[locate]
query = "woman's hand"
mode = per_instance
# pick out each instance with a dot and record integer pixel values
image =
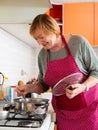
(74, 89)
(36, 87)
(22, 90)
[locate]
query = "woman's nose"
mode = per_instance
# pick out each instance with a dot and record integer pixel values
(40, 42)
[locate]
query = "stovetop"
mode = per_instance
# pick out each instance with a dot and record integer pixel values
(36, 122)
(15, 116)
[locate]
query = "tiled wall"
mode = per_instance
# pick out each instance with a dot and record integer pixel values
(18, 61)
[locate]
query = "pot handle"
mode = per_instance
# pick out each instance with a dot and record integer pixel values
(71, 88)
(45, 105)
(9, 107)
(42, 105)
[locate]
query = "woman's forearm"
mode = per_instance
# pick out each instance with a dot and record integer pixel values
(36, 87)
(90, 82)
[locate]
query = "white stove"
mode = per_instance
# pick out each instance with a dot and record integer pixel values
(46, 124)
(12, 124)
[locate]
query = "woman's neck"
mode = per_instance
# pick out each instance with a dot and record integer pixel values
(58, 45)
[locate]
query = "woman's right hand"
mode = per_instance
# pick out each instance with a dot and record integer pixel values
(36, 87)
(22, 90)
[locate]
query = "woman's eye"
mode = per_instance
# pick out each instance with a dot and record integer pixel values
(41, 37)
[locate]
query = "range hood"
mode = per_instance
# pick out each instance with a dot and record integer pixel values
(21, 11)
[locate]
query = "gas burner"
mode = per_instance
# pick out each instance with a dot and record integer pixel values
(29, 123)
(32, 121)
(25, 123)
(15, 116)
(38, 117)
(21, 122)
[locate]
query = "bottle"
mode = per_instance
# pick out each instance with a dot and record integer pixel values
(1, 86)
(13, 93)
(6, 87)
(1, 93)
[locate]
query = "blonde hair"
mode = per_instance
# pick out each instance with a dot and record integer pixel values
(46, 23)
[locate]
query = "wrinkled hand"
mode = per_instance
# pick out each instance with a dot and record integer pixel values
(22, 90)
(77, 89)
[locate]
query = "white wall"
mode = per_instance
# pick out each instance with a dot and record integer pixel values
(18, 61)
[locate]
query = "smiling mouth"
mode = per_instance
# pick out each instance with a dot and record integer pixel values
(45, 44)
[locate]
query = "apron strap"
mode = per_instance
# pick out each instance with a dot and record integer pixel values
(66, 45)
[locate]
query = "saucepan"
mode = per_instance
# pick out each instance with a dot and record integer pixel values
(5, 111)
(3, 114)
(31, 106)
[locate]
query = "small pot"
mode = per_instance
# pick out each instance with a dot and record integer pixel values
(9, 106)
(34, 95)
(31, 106)
(3, 114)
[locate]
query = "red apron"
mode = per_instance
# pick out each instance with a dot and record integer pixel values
(79, 113)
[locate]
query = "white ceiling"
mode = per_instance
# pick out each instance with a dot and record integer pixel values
(16, 15)
(21, 11)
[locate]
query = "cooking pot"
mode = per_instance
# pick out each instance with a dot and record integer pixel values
(5, 112)
(31, 106)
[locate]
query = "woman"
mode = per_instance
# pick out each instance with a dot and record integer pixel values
(61, 56)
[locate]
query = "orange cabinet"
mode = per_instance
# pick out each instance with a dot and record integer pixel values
(96, 23)
(78, 18)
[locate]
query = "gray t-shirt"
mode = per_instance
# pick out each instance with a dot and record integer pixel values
(82, 52)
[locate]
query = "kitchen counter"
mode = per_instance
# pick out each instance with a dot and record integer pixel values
(51, 126)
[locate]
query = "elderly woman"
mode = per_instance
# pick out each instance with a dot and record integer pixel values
(60, 56)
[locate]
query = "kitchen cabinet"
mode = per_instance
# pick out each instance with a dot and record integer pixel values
(56, 13)
(78, 18)
(96, 22)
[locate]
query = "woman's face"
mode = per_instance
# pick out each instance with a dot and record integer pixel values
(47, 41)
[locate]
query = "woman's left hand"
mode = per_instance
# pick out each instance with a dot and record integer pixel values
(74, 90)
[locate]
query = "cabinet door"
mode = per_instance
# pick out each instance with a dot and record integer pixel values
(96, 23)
(78, 19)
(56, 13)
